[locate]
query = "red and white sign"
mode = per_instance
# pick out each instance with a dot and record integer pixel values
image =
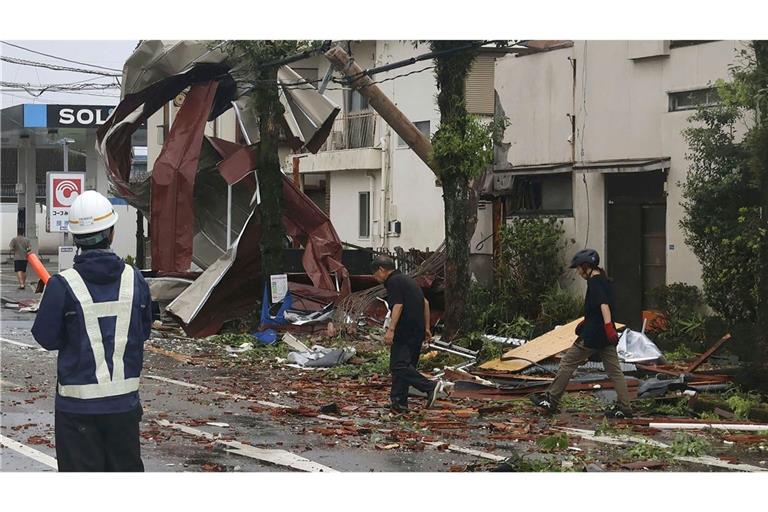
(62, 190)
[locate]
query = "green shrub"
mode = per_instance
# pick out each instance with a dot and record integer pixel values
(531, 262)
(677, 299)
(559, 307)
(519, 328)
(683, 307)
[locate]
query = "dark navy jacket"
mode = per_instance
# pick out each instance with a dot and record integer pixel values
(60, 325)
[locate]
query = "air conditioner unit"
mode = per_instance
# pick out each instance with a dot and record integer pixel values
(395, 228)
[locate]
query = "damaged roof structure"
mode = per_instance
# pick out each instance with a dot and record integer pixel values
(185, 196)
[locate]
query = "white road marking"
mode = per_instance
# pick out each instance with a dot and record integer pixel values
(625, 440)
(177, 382)
(197, 386)
(20, 344)
(278, 457)
(29, 452)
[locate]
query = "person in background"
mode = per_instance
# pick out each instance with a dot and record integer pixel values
(98, 315)
(20, 247)
(597, 336)
(408, 328)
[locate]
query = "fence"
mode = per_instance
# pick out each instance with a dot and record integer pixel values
(352, 131)
(8, 192)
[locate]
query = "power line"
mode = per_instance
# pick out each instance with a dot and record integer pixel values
(39, 90)
(55, 67)
(254, 84)
(75, 86)
(60, 58)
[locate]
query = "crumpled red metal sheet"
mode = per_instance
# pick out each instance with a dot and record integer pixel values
(239, 288)
(114, 136)
(173, 182)
(302, 220)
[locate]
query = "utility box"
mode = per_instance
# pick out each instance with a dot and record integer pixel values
(66, 257)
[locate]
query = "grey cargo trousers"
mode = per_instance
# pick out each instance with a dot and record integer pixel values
(577, 355)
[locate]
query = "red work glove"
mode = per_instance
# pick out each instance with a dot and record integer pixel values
(611, 334)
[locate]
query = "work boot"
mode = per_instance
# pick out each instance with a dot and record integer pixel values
(618, 413)
(432, 397)
(544, 401)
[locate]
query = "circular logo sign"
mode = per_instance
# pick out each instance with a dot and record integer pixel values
(65, 192)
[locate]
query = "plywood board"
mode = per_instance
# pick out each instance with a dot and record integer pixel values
(538, 349)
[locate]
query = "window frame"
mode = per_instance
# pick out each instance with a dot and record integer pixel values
(709, 92)
(401, 144)
(550, 212)
(367, 234)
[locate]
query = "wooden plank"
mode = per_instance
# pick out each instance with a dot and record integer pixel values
(467, 451)
(706, 355)
(538, 349)
(273, 456)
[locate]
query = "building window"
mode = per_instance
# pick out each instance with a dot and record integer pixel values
(679, 43)
(356, 102)
(365, 214)
(479, 93)
(423, 127)
(542, 194)
(689, 100)
(316, 188)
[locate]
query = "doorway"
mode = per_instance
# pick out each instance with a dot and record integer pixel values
(635, 240)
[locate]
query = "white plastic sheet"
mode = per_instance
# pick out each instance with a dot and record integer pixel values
(635, 347)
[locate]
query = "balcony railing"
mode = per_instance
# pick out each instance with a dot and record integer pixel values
(352, 131)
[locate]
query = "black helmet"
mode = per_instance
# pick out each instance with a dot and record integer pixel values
(585, 256)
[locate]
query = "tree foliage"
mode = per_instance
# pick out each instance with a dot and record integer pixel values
(254, 66)
(720, 196)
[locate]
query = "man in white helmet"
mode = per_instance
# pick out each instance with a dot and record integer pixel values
(97, 315)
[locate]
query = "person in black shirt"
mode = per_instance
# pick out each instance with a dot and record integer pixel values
(596, 336)
(408, 328)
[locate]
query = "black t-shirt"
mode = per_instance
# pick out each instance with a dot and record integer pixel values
(599, 291)
(402, 289)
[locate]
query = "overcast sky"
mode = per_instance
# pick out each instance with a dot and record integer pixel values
(110, 54)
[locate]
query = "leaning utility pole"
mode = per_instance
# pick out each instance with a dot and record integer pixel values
(381, 104)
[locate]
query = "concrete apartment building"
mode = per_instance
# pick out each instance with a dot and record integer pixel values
(596, 140)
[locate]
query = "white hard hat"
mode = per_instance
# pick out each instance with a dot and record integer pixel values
(91, 212)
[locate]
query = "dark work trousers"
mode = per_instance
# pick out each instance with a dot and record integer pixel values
(99, 442)
(403, 359)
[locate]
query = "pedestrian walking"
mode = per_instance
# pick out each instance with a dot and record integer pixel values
(597, 336)
(408, 328)
(20, 247)
(97, 315)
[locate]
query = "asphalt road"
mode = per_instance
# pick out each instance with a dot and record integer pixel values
(28, 375)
